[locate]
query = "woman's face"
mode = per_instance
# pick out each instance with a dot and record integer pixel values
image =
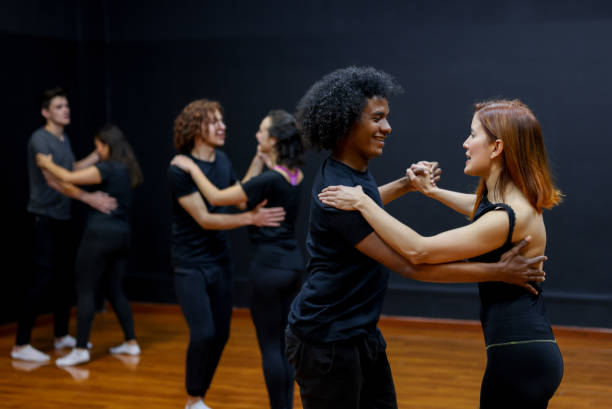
(479, 148)
(102, 149)
(265, 141)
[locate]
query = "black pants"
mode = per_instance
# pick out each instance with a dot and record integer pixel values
(351, 374)
(205, 297)
(102, 257)
(522, 376)
(51, 279)
(272, 290)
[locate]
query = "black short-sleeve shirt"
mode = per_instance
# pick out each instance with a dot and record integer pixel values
(116, 182)
(191, 244)
(272, 186)
(343, 293)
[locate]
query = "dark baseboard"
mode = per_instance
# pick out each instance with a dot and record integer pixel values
(431, 301)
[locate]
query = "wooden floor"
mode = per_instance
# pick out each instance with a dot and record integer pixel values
(436, 364)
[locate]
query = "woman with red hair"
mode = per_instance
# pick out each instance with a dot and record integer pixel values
(506, 150)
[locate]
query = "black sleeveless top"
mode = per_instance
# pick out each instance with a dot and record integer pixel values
(509, 313)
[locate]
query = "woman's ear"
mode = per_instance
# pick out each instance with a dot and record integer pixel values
(498, 148)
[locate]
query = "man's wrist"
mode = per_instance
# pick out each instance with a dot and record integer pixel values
(83, 196)
(498, 271)
(250, 217)
(406, 184)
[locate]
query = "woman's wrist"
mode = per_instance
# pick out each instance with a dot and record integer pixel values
(431, 192)
(363, 201)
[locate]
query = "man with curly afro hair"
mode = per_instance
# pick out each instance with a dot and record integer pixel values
(332, 340)
(200, 249)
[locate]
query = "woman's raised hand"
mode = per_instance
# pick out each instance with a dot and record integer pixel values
(424, 175)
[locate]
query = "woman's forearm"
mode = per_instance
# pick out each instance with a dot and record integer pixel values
(398, 236)
(459, 202)
(255, 168)
(232, 195)
(59, 172)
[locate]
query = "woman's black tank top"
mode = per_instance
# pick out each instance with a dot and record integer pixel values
(509, 313)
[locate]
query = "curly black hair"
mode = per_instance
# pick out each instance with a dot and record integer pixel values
(328, 110)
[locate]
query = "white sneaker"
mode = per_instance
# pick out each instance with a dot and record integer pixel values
(198, 405)
(67, 341)
(75, 357)
(29, 353)
(125, 348)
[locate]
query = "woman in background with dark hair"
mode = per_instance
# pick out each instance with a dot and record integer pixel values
(106, 238)
(277, 265)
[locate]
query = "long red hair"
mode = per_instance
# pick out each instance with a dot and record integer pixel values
(524, 155)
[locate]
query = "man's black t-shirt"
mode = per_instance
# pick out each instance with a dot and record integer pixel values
(192, 245)
(343, 293)
(116, 182)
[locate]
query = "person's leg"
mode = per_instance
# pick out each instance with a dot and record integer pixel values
(63, 276)
(378, 390)
(192, 296)
(521, 375)
(272, 291)
(329, 375)
(219, 286)
(35, 291)
(90, 265)
(117, 297)
(38, 284)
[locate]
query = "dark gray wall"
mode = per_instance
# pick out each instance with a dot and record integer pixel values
(138, 66)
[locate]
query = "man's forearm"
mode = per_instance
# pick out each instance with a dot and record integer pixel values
(212, 221)
(395, 189)
(457, 272)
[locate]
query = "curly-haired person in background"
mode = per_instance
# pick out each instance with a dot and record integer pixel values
(338, 353)
(277, 265)
(200, 249)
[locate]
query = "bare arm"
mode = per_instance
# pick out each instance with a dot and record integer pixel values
(260, 216)
(486, 234)
(392, 190)
(98, 200)
(512, 268)
(87, 161)
(401, 186)
(87, 176)
(232, 195)
(260, 160)
(459, 202)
